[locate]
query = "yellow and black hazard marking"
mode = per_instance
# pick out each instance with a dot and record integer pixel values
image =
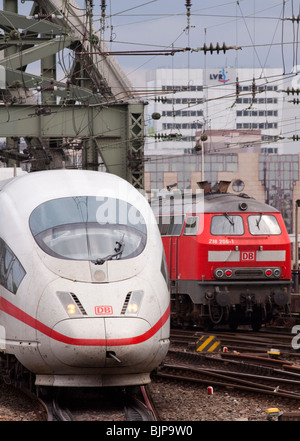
(208, 343)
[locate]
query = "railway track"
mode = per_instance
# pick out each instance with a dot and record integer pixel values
(246, 367)
(81, 404)
(248, 364)
(271, 385)
(99, 405)
(244, 342)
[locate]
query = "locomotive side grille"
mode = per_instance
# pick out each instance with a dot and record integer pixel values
(249, 272)
(126, 303)
(78, 303)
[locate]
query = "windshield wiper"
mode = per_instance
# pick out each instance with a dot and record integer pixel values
(118, 251)
(258, 220)
(229, 219)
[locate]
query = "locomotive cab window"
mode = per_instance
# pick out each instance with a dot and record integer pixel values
(263, 224)
(227, 224)
(89, 228)
(191, 226)
(170, 225)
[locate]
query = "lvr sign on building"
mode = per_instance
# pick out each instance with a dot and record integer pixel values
(220, 76)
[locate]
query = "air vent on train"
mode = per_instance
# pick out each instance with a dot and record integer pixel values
(78, 303)
(127, 298)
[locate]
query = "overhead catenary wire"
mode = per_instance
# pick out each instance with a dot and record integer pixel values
(273, 45)
(231, 2)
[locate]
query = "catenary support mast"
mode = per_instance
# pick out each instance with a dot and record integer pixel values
(94, 104)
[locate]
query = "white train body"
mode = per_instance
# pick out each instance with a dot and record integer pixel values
(83, 295)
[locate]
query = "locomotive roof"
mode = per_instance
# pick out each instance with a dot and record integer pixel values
(211, 203)
(216, 202)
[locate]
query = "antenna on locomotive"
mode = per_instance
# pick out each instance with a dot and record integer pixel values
(223, 186)
(219, 187)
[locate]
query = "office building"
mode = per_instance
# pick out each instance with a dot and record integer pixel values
(199, 100)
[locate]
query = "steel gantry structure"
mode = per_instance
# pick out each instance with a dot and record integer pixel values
(93, 107)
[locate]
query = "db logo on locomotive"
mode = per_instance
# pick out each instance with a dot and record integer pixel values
(103, 310)
(248, 255)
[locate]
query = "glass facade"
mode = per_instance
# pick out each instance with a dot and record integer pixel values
(186, 164)
(279, 174)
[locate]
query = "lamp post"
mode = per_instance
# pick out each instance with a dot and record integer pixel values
(203, 138)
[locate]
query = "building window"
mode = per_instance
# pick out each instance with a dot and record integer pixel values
(185, 165)
(238, 185)
(278, 175)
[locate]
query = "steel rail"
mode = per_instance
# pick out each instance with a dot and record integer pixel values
(139, 406)
(261, 343)
(237, 383)
(149, 402)
(231, 375)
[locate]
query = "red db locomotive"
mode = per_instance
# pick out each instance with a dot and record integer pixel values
(228, 257)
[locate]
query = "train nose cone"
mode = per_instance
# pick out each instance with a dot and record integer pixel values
(90, 342)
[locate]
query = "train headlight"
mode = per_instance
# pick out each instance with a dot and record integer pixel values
(72, 309)
(134, 303)
(132, 308)
(277, 272)
(99, 276)
(219, 273)
(222, 273)
(70, 305)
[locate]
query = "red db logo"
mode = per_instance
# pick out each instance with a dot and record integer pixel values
(103, 310)
(248, 255)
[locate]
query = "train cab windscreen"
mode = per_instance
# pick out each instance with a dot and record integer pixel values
(263, 224)
(89, 228)
(226, 224)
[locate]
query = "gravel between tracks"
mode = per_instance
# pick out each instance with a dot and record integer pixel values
(17, 406)
(189, 402)
(175, 402)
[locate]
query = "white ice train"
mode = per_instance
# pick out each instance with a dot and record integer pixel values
(84, 299)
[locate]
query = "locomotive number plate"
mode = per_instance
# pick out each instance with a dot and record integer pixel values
(103, 310)
(248, 255)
